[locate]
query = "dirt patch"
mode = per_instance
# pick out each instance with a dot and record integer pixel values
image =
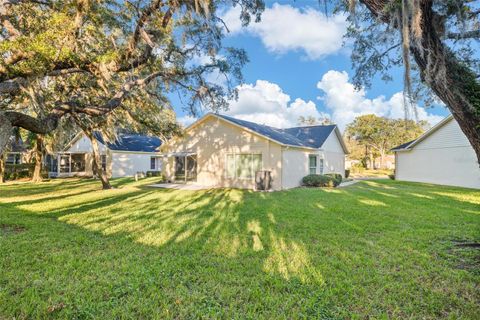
(6, 229)
(468, 245)
(467, 254)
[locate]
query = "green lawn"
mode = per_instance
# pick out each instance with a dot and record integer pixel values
(379, 249)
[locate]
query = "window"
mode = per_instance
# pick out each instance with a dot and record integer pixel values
(321, 166)
(230, 166)
(13, 158)
(65, 164)
(153, 163)
(312, 164)
(104, 162)
(243, 166)
(78, 162)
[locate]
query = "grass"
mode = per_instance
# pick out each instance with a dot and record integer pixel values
(376, 249)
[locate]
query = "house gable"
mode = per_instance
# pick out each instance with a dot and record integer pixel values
(82, 144)
(334, 144)
(448, 135)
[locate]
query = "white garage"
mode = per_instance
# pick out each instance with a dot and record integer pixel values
(442, 155)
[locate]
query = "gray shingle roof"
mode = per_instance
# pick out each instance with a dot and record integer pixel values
(311, 137)
(132, 142)
(314, 136)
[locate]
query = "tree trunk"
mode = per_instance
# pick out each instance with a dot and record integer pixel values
(382, 159)
(455, 84)
(2, 168)
(370, 156)
(97, 162)
(458, 89)
(37, 172)
(6, 130)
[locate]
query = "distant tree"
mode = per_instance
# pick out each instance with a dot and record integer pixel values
(379, 134)
(60, 58)
(357, 151)
(312, 121)
(440, 37)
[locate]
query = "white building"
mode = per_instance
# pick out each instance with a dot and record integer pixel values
(129, 154)
(442, 155)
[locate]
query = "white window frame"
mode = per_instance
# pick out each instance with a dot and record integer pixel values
(235, 154)
(316, 164)
(17, 158)
(321, 165)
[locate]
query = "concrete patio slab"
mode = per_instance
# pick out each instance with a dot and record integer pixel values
(347, 183)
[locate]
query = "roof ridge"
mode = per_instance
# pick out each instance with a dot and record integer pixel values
(313, 125)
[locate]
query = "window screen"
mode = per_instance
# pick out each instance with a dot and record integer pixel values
(243, 166)
(312, 164)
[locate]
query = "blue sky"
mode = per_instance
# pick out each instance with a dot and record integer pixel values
(301, 68)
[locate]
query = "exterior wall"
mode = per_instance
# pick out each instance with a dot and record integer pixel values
(334, 155)
(295, 166)
(444, 157)
(212, 140)
(127, 164)
(83, 144)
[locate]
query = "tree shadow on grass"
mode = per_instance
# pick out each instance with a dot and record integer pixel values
(224, 250)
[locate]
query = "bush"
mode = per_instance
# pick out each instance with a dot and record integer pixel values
(337, 178)
(319, 180)
(391, 176)
(357, 168)
(347, 173)
(18, 171)
(154, 173)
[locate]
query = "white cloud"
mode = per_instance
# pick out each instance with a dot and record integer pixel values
(345, 103)
(266, 103)
(284, 28)
(186, 120)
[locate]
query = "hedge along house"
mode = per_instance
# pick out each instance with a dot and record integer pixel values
(221, 151)
(442, 155)
(129, 154)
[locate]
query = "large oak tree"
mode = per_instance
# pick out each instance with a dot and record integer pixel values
(437, 43)
(71, 57)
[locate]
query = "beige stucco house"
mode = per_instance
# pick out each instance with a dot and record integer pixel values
(442, 155)
(221, 151)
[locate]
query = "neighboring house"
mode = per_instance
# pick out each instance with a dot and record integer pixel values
(221, 151)
(17, 153)
(442, 155)
(129, 154)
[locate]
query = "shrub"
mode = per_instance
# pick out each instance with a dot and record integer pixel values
(391, 176)
(154, 173)
(337, 178)
(347, 173)
(318, 180)
(18, 171)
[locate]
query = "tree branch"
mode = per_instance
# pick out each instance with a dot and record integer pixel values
(14, 86)
(473, 34)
